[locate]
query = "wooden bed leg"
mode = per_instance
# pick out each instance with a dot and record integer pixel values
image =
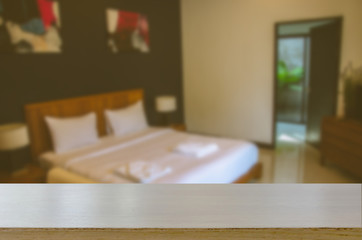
(259, 171)
(322, 160)
(254, 173)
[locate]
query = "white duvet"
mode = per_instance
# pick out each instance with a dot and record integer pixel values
(99, 161)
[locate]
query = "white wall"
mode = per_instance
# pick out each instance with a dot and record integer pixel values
(228, 52)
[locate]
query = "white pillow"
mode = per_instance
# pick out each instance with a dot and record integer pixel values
(127, 120)
(74, 132)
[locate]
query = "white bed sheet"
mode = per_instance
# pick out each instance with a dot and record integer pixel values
(97, 162)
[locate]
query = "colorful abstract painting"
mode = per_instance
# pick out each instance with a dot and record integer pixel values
(127, 31)
(30, 26)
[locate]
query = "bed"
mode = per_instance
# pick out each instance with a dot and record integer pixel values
(236, 161)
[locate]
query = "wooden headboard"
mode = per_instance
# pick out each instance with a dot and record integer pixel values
(35, 113)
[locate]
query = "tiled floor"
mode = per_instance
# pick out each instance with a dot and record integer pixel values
(294, 161)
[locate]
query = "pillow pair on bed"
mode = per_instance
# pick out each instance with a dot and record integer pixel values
(71, 133)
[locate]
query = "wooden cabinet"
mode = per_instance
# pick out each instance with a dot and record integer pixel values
(342, 144)
(29, 174)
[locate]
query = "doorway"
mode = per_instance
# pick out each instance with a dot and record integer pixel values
(307, 55)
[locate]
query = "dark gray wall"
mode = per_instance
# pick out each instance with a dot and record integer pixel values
(87, 67)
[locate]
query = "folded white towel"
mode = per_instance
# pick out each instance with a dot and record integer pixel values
(196, 149)
(141, 171)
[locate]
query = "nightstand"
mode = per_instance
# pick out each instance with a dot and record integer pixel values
(29, 174)
(179, 127)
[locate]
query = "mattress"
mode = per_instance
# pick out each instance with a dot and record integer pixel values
(99, 161)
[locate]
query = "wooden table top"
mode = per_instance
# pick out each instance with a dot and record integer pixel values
(180, 206)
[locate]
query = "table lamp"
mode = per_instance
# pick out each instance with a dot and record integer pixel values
(166, 105)
(12, 137)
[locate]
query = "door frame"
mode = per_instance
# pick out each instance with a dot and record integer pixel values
(275, 78)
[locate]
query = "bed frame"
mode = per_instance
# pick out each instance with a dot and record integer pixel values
(254, 173)
(60, 175)
(35, 113)
(40, 137)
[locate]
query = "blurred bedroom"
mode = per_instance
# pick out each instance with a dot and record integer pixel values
(180, 91)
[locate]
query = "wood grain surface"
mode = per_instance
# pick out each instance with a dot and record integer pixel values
(181, 234)
(130, 206)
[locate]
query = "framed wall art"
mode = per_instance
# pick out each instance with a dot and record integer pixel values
(30, 26)
(127, 31)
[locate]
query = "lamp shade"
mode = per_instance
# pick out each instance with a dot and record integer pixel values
(166, 104)
(13, 136)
